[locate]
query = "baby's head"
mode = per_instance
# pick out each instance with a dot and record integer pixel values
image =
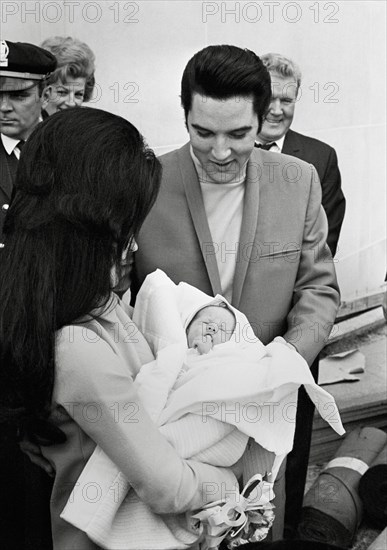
(212, 325)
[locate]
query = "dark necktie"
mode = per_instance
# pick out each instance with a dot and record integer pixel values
(21, 144)
(12, 161)
(266, 147)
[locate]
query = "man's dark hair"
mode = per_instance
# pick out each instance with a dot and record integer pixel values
(222, 72)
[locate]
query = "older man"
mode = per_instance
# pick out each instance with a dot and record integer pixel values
(277, 136)
(23, 69)
(239, 221)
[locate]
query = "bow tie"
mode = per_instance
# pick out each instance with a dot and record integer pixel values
(266, 147)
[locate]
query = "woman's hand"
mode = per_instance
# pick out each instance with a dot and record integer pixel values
(34, 453)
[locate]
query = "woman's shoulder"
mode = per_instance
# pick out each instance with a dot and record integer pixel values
(80, 345)
(96, 330)
(105, 336)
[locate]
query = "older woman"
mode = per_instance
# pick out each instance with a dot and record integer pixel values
(73, 81)
(68, 347)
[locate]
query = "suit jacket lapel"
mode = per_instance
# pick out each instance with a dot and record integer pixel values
(196, 206)
(249, 226)
(291, 144)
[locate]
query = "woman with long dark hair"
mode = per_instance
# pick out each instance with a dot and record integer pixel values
(68, 347)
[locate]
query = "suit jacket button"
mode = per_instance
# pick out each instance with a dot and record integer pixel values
(5, 207)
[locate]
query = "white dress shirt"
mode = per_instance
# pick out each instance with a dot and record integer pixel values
(277, 144)
(223, 203)
(11, 145)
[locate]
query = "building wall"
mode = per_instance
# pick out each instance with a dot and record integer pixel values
(142, 48)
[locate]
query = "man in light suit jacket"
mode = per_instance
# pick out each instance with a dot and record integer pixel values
(277, 136)
(242, 222)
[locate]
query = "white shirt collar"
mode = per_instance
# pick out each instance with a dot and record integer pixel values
(9, 143)
(279, 143)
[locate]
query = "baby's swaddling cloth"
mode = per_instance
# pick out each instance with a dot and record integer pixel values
(207, 406)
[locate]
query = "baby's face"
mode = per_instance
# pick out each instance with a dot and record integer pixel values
(211, 325)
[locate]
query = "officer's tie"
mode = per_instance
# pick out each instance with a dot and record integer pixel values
(21, 144)
(12, 160)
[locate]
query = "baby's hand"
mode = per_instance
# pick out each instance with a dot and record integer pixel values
(203, 344)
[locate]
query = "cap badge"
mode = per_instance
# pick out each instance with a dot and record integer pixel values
(4, 51)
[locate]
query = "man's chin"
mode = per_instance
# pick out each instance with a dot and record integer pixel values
(273, 134)
(9, 131)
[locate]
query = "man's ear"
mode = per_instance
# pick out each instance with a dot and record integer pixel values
(46, 96)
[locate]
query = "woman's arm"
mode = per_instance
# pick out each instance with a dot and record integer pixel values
(95, 387)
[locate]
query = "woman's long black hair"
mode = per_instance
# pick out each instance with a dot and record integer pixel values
(85, 183)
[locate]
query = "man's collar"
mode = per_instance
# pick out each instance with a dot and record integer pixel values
(9, 143)
(278, 142)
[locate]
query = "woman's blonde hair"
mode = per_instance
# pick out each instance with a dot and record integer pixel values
(74, 60)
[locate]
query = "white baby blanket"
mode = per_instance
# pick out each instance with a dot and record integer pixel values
(207, 406)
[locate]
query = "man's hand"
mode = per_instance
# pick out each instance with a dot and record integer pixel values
(281, 340)
(32, 450)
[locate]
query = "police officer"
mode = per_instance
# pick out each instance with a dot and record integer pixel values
(23, 70)
(24, 505)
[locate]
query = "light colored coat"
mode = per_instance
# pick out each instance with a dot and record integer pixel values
(285, 280)
(95, 402)
(190, 396)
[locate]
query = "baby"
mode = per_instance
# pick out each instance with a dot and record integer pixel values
(208, 363)
(212, 325)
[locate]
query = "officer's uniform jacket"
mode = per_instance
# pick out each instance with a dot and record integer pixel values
(8, 167)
